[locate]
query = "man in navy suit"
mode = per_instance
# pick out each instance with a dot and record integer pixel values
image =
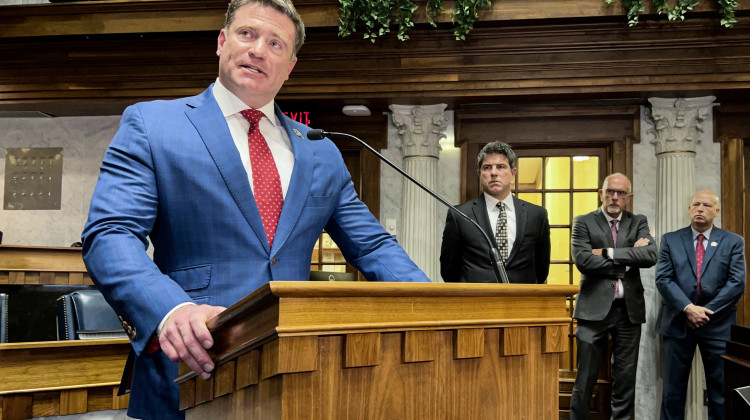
(182, 173)
(465, 254)
(698, 303)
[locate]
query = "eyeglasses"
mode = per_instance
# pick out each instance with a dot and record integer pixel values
(618, 193)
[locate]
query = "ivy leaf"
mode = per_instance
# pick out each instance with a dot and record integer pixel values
(376, 16)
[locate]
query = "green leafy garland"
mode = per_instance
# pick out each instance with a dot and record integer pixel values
(633, 9)
(375, 16)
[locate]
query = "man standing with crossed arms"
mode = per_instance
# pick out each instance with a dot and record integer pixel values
(609, 245)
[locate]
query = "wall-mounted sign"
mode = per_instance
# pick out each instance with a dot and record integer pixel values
(300, 116)
(33, 178)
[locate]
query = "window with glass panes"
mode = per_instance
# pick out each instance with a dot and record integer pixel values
(327, 256)
(566, 183)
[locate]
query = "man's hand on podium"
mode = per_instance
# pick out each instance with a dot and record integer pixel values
(185, 337)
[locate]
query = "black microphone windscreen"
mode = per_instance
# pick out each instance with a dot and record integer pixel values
(316, 134)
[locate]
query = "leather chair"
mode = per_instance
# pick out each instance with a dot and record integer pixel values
(84, 314)
(3, 318)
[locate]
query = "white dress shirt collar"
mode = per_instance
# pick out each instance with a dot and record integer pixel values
(707, 233)
(230, 104)
(610, 219)
(492, 202)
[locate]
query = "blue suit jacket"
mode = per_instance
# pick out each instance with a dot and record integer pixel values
(722, 281)
(173, 174)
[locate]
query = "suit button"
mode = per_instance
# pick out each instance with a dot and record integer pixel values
(612, 285)
(273, 260)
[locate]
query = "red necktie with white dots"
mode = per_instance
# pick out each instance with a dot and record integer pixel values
(700, 252)
(266, 182)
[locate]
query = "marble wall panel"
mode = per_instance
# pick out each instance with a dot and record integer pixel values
(84, 140)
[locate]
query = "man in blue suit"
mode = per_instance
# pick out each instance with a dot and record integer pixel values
(698, 303)
(186, 175)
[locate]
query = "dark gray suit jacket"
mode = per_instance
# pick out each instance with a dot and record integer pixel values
(465, 255)
(599, 274)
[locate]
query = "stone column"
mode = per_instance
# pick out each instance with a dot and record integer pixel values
(677, 125)
(420, 129)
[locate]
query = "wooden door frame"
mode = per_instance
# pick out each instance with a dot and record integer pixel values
(732, 132)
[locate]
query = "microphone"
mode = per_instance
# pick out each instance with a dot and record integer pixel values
(498, 267)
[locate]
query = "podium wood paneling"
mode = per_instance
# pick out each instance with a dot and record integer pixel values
(385, 350)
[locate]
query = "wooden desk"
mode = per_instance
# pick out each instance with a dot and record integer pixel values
(61, 377)
(47, 378)
(42, 265)
(736, 368)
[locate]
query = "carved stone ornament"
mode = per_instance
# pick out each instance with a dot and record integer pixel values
(420, 128)
(677, 124)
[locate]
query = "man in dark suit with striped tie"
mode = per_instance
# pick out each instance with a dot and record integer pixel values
(519, 229)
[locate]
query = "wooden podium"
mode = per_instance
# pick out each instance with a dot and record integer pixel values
(308, 350)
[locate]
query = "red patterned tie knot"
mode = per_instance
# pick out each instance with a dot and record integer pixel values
(253, 116)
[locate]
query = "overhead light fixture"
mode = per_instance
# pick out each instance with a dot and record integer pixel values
(356, 110)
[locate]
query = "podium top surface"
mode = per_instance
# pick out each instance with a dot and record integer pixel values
(296, 308)
(385, 293)
(307, 289)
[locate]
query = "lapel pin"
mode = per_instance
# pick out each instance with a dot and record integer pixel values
(297, 132)
(713, 244)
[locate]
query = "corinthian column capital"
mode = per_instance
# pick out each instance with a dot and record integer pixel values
(677, 123)
(420, 128)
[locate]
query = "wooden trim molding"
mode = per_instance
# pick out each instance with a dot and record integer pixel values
(42, 265)
(61, 377)
(146, 16)
(547, 127)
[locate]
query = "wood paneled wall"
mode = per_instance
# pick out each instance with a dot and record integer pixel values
(108, 54)
(732, 131)
(612, 127)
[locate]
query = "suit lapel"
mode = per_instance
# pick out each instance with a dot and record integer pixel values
(299, 185)
(623, 228)
(716, 237)
(687, 242)
(601, 221)
(479, 208)
(206, 116)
